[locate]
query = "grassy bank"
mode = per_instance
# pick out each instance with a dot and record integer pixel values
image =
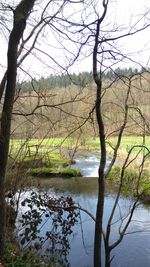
(42, 158)
(60, 151)
(48, 157)
(133, 183)
(50, 172)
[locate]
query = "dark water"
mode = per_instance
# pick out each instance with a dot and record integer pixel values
(134, 250)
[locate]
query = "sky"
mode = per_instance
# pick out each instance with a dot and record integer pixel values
(126, 11)
(121, 14)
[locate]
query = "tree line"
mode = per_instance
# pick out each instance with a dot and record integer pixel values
(81, 79)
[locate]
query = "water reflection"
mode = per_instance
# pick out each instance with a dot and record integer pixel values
(134, 249)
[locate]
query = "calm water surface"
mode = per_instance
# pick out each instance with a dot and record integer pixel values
(134, 250)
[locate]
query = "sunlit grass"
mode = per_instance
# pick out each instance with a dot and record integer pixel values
(128, 141)
(49, 156)
(91, 144)
(48, 172)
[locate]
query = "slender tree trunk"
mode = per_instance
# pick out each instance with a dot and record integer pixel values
(101, 183)
(2, 85)
(21, 14)
(101, 179)
(107, 257)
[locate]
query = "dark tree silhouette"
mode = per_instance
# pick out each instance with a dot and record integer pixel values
(20, 16)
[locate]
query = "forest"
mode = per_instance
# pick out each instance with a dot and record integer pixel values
(64, 80)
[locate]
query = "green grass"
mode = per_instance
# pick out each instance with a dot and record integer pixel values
(51, 155)
(50, 172)
(71, 172)
(130, 174)
(89, 143)
(49, 142)
(50, 158)
(130, 181)
(128, 141)
(85, 156)
(114, 175)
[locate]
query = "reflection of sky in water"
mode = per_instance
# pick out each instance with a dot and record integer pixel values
(89, 165)
(134, 249)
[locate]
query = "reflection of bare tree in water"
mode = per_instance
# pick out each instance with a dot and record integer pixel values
(60, 213)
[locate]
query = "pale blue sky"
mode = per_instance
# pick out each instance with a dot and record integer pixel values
(122, 14)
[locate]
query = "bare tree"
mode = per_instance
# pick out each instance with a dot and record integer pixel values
(21, 14)
(100, 56)
(88, 36)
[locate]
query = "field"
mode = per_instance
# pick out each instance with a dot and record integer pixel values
(91, 144)
(48, 157)
(128, 141)
(58, 152)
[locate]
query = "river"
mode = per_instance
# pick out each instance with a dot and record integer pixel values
(133, 251)
(88, 163)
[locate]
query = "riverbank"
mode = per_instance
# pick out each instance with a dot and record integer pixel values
(49, 172)
(55, 157)
(16, 257)
(132, 182)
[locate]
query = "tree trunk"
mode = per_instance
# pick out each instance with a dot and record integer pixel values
(2, 85)
(98, 225)
(101, 183)
(107, 257)
(21, 14)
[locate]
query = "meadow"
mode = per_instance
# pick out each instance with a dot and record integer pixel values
(51, 126)
(42, 146)
(49, 157)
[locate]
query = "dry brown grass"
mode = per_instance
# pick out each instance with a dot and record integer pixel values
(60, 112)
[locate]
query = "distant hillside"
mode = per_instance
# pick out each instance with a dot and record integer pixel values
(64, 80)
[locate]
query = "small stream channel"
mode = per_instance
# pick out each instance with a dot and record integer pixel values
(134, 250)
(88, 163)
